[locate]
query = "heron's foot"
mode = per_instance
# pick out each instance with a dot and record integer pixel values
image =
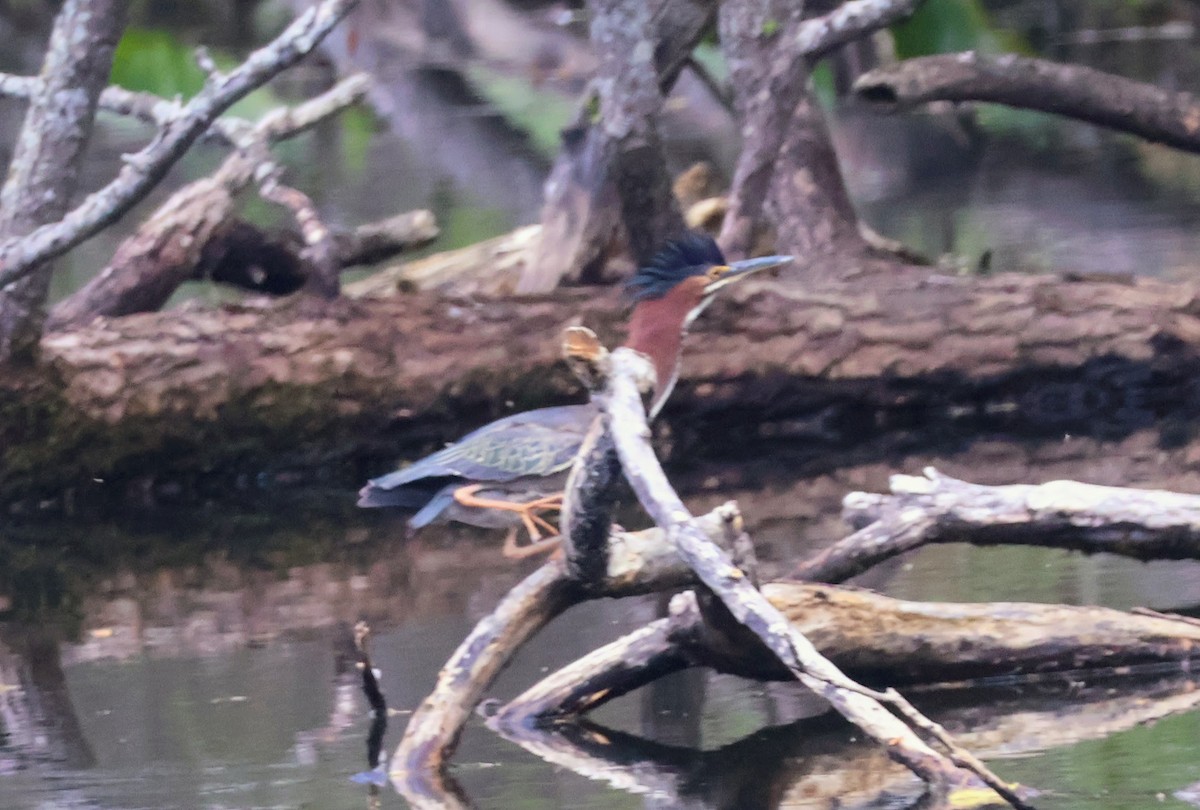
(530, 514)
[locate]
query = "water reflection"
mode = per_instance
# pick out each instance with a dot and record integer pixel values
(208, 649)
(820, 763)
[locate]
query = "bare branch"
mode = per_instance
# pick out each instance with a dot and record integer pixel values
(848, 22)
(320, 251)
(622, 402)
(875, 636)
(144, 169)
(610, 170)
(1153, 113)
(165, 250)
(48, 154)
(1143, 524)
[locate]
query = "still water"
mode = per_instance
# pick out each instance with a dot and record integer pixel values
(194, 655)
(197, 658)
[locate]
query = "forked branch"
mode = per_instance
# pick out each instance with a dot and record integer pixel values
(142, 171)
(626, 373)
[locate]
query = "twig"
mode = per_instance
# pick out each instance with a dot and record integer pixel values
(1172, 617)
(1153, 113)
(143, 170)
(320, 251)
(959, 755)
(165, 250)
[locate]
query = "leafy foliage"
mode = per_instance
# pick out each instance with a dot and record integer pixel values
(944, 26)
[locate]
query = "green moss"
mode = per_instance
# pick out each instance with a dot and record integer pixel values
(50, 447)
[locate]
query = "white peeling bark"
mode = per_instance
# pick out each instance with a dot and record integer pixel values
(48, 153)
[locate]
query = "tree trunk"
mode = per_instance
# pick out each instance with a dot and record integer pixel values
(45, 166)
(611, 170)
(787, 177)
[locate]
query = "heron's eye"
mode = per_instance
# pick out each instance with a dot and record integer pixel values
(716, 271)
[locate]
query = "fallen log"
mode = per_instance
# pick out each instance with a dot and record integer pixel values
(200, 390)
(875, 639)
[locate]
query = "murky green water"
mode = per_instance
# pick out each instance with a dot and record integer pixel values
(194, 656)
(218, 679)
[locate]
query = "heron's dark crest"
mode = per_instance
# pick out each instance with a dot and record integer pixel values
(689, 255)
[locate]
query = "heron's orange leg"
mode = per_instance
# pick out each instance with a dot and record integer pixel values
(529, 513)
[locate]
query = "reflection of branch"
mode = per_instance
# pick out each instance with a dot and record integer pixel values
(1143, 524)
(756, 770)
(143, 170)
(1079, 92)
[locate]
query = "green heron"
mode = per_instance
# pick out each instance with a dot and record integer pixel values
(511, 472)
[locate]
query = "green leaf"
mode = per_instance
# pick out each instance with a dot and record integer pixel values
(946, 26)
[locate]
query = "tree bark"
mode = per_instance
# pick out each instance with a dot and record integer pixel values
(873, 638)
(611, 170)
(219, 389)
(1153, 113)
(787, 179)
(195, 233)
(1142, 524)
(184, 124)
(45, 165)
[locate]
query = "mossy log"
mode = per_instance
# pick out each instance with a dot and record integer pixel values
(267, 385)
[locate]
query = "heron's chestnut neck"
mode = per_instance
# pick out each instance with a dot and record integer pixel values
(656, 329)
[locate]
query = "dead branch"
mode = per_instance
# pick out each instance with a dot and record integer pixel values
(143, 170)
(246, 256)
(1143, 524)
(320, 252)
(168, 248)
(874, 638)
(849, 21)
(1150, 112)
(610, 170)
(490, 268)
(637, 562)
(786, 178)
(627, 372)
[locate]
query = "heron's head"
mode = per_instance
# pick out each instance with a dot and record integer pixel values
(671, 290)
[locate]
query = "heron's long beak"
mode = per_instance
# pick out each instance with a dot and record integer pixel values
(747, 267)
